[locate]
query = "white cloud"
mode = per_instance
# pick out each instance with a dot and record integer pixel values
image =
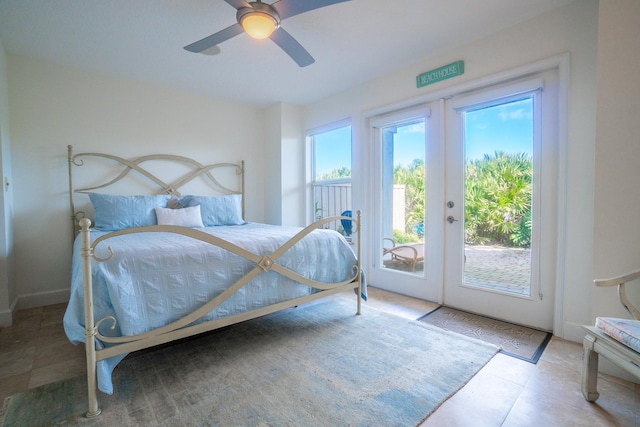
(413, 128)
(508, 113)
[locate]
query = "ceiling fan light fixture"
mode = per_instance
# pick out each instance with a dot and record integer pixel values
(259, 21)
(258, 25)
(262, 20)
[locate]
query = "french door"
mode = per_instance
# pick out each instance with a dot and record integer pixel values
(500, 222)
(465, 200)
(406, 172)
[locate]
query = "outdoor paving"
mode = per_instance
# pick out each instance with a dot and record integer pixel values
(493, 267)
(498, 268)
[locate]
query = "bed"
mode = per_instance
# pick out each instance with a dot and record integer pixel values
(153, 268)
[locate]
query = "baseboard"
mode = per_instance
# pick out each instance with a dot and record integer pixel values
(573, 332)
(41, 299)
(6, 316)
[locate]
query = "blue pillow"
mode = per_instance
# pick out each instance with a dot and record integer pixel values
(217, 210)
(112, 213)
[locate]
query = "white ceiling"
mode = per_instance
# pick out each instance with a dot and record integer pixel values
(351, 42)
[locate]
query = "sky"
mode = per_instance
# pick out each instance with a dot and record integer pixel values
(333, 150)
(507, 127)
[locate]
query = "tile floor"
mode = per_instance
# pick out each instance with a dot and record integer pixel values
(506, 392)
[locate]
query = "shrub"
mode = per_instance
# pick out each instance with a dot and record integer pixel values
(498, 199)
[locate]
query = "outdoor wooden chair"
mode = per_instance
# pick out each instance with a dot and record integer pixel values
(407, 254)
(616, 339)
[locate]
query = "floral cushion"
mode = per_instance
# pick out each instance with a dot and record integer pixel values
(624, 330)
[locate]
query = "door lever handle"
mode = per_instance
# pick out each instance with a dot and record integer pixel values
(451, 219)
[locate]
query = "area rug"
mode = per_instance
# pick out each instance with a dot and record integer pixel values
(514, 340)
(317, 364)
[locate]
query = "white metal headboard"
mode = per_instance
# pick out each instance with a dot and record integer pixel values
(196, 170)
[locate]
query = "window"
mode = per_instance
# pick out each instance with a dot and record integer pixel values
(331, 172)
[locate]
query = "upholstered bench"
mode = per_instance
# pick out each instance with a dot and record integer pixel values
(616, 339)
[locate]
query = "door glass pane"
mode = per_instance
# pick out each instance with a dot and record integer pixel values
(498, 197)
(403, 196)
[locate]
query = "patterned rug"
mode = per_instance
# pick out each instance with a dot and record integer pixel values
(513, 340)
(317, 364)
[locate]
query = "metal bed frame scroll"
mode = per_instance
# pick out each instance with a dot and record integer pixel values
(184, 327)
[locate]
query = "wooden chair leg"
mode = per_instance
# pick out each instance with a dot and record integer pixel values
(589, 369)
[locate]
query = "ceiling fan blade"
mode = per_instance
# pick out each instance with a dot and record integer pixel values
(292, 47)
(288, 8)
(238, 3)
(215, 39)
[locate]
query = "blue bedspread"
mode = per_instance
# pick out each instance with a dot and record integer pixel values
(155, 278)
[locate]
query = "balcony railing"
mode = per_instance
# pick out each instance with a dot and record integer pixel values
(332, 198)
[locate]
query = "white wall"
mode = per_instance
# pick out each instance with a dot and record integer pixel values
(8, 297)
(53, 106)
(616, 248)
(285, 157)
(292, 166)
(273, 178)
(570, 29)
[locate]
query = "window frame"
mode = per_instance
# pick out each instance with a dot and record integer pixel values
(312, 182)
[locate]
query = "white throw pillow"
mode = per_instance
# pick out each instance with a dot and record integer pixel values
(186, 217)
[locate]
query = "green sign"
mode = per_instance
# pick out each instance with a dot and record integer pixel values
(439, 74)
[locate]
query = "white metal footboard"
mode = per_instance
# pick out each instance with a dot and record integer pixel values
(180, 328)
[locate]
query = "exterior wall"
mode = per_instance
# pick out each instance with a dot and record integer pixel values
(399, 209)
(53, 106)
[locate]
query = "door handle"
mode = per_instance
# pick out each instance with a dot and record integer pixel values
(451, 219)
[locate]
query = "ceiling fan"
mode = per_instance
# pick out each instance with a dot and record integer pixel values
(262, 20)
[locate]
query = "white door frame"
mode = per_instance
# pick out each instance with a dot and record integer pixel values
(424, 284)
(562, 63)
(536, 308)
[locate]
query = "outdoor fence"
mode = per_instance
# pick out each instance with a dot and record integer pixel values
(332, 199)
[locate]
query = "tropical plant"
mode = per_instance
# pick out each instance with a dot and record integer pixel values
(498, 199)
(400, 237)
(343, 172)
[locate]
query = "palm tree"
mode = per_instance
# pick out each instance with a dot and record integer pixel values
(498, 199)
(498, 191)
